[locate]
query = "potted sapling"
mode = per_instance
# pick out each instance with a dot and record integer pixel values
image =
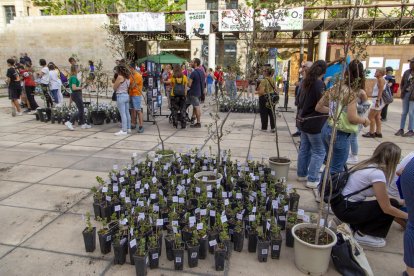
(252, 235)
(104, 236)
(275, 240)
(141, 259)
(89, 235)
(119, 248)
(281, 214)
(262, 245)
(292, 218)
(238, 236)
(294, 201)
(193, 248)
(178, 252)
(225, 239)
(153, 251)
(220, 256)
(203, 240)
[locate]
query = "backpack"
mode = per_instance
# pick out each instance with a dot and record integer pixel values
(338, 182)
(179, 88)
(387, 95)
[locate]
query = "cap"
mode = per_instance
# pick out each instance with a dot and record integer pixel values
(388, 69)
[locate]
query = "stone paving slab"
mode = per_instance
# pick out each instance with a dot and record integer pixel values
(77, 150)
(92, 142)
(99, 164)
(26, 173)
(52, 160)
(8, 188)
(37, 262)
(55, 139)
(4, 249)
(36, 147)
(74, 178)
(13, 156)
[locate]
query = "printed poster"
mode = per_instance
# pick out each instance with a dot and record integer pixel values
(197, 23)
(282, 19)
(394, 63)
(240, 20)
(141, 22)
(376, 62)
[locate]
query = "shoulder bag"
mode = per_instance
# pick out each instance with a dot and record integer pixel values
(273, 97)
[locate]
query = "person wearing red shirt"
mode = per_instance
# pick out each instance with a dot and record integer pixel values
(29, 85)
(218, 80)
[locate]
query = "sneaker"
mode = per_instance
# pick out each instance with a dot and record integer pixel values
(378, 135)
(408, 134)
(140, 129)
(296, 134)
(19, 113)
(302, 178)
(129, 131)
(183, 127)
(198, 125)
(69, 125)
(322, 168)
(13, 112)
(352, 159)
(312, 184)
(133, 126)
(369, 135)
(273, 130)
(400, 132)
(27, 111)
(119, 133)
(85, 126)
(263, 130)
(369, 240)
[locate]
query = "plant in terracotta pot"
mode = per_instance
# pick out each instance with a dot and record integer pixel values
(89, 235)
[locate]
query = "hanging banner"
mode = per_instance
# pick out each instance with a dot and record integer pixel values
(236, 20)
(282, 19)
(197, 23)
(141, 22)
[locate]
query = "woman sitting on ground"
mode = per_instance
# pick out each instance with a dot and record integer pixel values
(371, 219)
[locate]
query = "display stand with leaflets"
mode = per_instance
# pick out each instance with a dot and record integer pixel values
(154, 98)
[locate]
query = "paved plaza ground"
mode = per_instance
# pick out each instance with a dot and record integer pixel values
(46, 173)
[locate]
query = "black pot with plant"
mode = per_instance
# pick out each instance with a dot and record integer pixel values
(141, 259)
(169, 246)
(193, 250)
(203, 242)
(212, 240)
(262, 247)
(178, 253)
(291, 221)
(219, 256)
(225, 239)
(252, 238)
(89, 235)
(275, 240)
(294, 201)
(104, 237)
(238, 237)
(119, 248)
(153, 251)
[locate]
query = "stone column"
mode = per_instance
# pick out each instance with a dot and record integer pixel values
(212, 50)
(323, 43)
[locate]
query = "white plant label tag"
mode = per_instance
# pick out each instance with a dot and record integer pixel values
(209, 194)
(156, 208)
(192, 220)
(239, 196)
(108, 198)
(160, 222)
(198, 190)
(204, 179)
(121, 180)
(174, 223)
(138, 185)
(223, 219)
(264, 251)
(301, 212)
(252, 217)
(178, 259)
(127, 200)
(208, 187)
(239, 216)
(155, 256)
(132, 243)
(306, 218)
(226, 202)
(153, 196)
(117, 208)
(286, 208)
(282, 218)
(154, 180)
(203, 212)
(108, 238)
(276, 247)
(175, 199)
(175, 229)
(273, 173)
(322, 222)
(197, 210)
(115, 188)
(104, 189)
(181, 200)
(193, 255)
(200, 226)
(212, 213)
(254, 209)
(212, 242)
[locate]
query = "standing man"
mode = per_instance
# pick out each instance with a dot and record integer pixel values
(218, 81)
(144, 74)
(196, 84)
(407, 85)
(135, 95)
(15, 89)
(27, 59)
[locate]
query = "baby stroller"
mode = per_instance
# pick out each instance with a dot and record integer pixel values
(179, 112)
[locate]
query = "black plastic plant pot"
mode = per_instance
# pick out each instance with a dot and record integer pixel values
(238, 241)
(290, 241)
(186, 236)
(227, 244)
(119, 254)
(113, 227)
(212, 236)
(262, 250)
(90, 239)
(105, 242)
(132, 251)
(252, 243)
(281, 219)
(294, 202)
(178, 259)
(141, 264)
(98, 117)
(97, 210)
(275, 247)
(41, 112)
(219, 257)
(193, 254)
(106, 211)
(154, 257)
(203, 248)
(169, 245)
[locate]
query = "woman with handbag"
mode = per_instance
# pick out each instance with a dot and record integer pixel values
(378, 104)
(266, 90)
(371, 219)
(348, 120)
(121, 87)
(310, 123)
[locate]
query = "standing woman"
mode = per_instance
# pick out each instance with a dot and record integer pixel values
(29, 85)
(121, 86)
(76, 96)
(374, 115)
(310, 123)
(15, 89)
(266, 87)
(54, 82)
(210, 82)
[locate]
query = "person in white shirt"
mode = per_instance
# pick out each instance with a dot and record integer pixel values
(44, 82)
(364, 203)
(54, 83)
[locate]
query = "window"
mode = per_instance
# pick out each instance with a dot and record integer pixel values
(10, 12)
(212, 5)
(229, 57)
(232, 4)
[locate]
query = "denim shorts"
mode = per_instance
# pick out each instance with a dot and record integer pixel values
(193, 100)
(409, 245)
(135, 102)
